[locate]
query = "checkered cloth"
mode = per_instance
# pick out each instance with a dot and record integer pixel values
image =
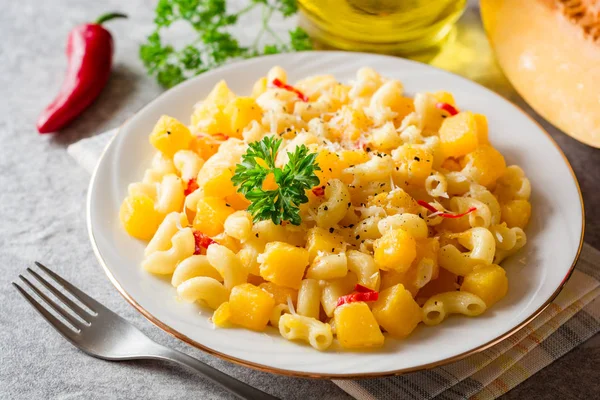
(571, 319)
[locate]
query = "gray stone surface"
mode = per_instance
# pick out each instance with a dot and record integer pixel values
(42, 217)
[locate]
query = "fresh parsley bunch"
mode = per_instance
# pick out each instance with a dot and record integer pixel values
(213, 44)
(298, 175)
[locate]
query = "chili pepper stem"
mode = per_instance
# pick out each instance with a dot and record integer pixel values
(108, 16)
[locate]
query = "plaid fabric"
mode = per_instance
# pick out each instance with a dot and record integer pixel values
(572, 318)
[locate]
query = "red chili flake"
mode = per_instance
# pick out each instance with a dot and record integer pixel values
(362, 289)
(192, 185)
(447, 107)
(277, 83)
(319, 191)
(444, 214)
(354, 297)
(220, 136)
(202, 242)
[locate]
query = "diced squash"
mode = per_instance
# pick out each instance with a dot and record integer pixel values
(350, 158)
(283, 264)
(216, 183)
(237, 201)
(414, 164)
(445, 282)
(204, 146)
(402, 106)
(241, 111)
(458, 135)
(396, 311)
(211, 214)
(320, 240)
(395, 250)
(138, 216)
(484, 165)
(331, 166)
(280, 293)
(220, 95)
(250, 306)
(393, 278)
(222, 315)
(489, 282)
(516, 213)
(482, 129)
(169, 136)
(356, 327)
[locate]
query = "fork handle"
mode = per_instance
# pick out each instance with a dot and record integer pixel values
(227, 382)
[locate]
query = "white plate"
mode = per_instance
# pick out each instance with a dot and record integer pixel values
(536, 274)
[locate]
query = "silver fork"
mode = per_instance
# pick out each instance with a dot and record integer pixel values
(104, 334)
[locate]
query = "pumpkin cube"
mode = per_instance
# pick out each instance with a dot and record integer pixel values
(283, 264)
(516, 213)
(169, 136)
(216, 183)
(356, 327)
(241, 111)
(211, 214)
(138, 216)
(220, 95)
(482, 129)
(280, 293)
(331, 166)
(458, 135)
(489, 282)
(320, 240)
(204, 146)
(484, 165)
(250, 306)
(396, 311)
(395, 250)
(222, 315)
(210, 118)
(413, 164)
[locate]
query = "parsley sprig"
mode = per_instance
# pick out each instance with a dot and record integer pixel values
(214, 45)
(298, 175)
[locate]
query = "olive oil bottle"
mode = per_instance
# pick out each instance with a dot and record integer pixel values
(399, 27)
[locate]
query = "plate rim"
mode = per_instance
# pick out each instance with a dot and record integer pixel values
(286, 372)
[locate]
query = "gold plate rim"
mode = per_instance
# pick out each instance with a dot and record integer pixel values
(263, 368)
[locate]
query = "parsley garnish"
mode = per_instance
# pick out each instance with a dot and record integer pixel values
(298, 175)
(213, 45)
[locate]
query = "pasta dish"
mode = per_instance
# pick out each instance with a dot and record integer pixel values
(335, 213)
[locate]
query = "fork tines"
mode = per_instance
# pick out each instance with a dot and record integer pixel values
(78, 317)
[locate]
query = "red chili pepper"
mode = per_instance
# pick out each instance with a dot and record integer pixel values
(362, 289)
(444, 214)
(89, 54)
(277, 83)
(202, 242)
(319, 191)
(192, 185)
(354, 297)
(447, 107)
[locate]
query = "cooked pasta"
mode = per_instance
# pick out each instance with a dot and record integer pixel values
(404, 217)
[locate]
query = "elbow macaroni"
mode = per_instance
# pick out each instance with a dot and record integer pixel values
(385, 161)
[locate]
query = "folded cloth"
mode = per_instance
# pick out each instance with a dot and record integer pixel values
(572, 318)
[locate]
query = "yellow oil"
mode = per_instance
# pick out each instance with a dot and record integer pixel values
(399, 27)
